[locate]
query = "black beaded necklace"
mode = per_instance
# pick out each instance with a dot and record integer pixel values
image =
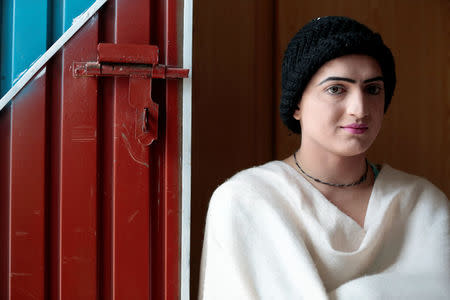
(361, 180)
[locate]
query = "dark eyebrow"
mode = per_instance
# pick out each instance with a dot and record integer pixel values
(338, 78)
(351, 80)
(374, 79)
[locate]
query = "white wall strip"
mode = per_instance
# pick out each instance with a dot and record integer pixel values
(78, 22)
(186, 153)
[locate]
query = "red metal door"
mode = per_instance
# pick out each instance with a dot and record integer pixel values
(88, 211)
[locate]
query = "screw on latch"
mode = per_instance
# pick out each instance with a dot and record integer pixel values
(145, 125)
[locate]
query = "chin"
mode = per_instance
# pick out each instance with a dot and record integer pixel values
(352, 149)
(351, 153)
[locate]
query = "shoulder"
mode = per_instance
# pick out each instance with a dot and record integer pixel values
(252, 182)
(252, 193)
(403, 181)
(414, 191)
(272, 169)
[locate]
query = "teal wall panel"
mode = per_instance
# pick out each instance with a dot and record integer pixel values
(56, 28)
(73, 9)
(6, 45)
(28, 29)
(29, 34)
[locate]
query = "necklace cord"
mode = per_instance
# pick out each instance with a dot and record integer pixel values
(360, 180)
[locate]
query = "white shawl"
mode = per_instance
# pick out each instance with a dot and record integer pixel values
(270, 234)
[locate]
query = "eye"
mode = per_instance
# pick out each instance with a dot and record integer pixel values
(335, 90)
(373, 89)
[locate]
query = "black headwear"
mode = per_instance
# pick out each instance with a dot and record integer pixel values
(322, 40)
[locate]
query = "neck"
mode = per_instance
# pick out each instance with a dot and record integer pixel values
(331, 167)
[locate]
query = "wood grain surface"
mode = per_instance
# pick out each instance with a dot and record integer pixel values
(232, 101)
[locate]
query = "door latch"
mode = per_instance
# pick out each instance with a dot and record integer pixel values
(140, 64)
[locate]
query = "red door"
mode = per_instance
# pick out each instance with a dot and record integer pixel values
(89, 208)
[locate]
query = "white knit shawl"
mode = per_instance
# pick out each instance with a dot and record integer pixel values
(270, 234)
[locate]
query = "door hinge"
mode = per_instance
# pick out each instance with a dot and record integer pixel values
(140, 64)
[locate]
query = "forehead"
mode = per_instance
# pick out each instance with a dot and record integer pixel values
(357, 67)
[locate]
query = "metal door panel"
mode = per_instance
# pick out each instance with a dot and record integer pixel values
(27, 192)
(173, 160)
(129, 176)
(99, 210)
(78, 173)
(5, 163)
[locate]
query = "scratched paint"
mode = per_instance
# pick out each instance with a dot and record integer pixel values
(84, 134)
(22, 233)
(133, 155)
(16, 274)
(130, 218)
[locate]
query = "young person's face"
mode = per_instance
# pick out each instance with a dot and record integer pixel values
(342, 107)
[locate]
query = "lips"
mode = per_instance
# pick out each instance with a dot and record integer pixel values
(355, 128)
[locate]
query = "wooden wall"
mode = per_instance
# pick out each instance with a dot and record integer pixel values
(232, 101)
(238, 48)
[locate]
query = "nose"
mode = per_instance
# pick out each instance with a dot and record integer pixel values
(356, 105)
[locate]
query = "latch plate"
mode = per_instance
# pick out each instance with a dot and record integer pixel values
(140, 64)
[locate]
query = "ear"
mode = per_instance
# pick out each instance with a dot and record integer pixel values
(298, 112)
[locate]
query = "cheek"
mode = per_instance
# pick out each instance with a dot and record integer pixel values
(320, 117)
(378, 111)
(377, 116)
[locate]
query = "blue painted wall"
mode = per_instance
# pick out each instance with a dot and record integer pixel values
(28, 28)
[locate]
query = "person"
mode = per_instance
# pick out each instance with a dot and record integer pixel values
(325, 223)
